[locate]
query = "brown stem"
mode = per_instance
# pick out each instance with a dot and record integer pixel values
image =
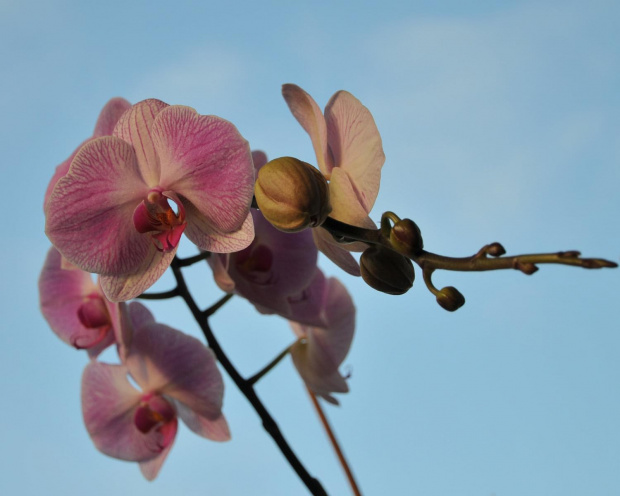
(335, 444)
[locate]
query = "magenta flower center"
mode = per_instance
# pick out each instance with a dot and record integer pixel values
(93, 315)
(155, 413)
(155, 216)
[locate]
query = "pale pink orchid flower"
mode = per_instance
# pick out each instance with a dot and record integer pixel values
(350, 155)
(177, 376)
(275, 267)
(111, 214)
(322, 347)
(109, 116)
(76, 308)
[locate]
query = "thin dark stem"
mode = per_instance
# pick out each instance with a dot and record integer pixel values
(269, 424)
(217, 305)
(186, 262)
(334, 442)
(165, 295)
(261, 373)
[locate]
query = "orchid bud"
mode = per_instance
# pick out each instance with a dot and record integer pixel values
(450, 299)
(386, 270)
(292, 195)
(406, 237)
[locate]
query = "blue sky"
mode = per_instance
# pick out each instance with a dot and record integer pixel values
(500, 122)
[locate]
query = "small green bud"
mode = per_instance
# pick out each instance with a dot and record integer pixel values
(386, 270)
(292, 195)
(406, 237)
(450, 299)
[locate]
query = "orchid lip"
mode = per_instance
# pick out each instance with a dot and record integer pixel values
(156, 217)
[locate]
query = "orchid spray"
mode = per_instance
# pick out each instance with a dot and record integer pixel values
(153, 172)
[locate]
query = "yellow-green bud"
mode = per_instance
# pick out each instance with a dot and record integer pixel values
(406, 237)
(292, 195)
(450, 298)
(386, 270)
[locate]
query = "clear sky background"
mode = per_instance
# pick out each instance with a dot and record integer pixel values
(500, 122)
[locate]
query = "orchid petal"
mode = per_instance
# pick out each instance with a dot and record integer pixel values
(63, 295)
(219, 265)
(61, 171)
(213, 429)
(109, 116)
(318, 381)
(259, 158)
(166, 360)
(344, 201)
(355, 144)
(321, 350)
(89, 214)
(127, 286)
(150, 468)
(206, 161)
(134, 127)
(341, 257)
(307, 306)
(206, 237)
(309, 115)
(274, 266)
(108, 405)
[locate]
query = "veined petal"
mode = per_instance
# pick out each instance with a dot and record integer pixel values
(124, 287)
(166, 360)
(355, 144)
(205, 236)
(345, 203)
(213, 429)
(89, 214)
(134, 127)
(309, 115)
(109, 402)
(61, 171)
(109, 116)
(341, 257)
(206, 161)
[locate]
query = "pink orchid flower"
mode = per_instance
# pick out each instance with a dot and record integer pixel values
(111, 213)
(275, 267)
(177, 376)
(350, 155)
(109, 116)
(75, 307)
(321, 348)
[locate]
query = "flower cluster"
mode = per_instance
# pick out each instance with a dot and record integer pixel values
(118, 208)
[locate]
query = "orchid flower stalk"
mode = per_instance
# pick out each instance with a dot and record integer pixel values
(151, 173)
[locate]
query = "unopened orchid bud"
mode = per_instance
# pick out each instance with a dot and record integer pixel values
(406, 237)
(496, 249)
(386, 270)
(292, 195)
(450, 299)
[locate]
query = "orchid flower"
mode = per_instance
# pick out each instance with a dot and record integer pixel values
(177, 376)
(109, 116)
(111, 213)
(274, 267)
(321, 348)
(75, 307)
(350, 155)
